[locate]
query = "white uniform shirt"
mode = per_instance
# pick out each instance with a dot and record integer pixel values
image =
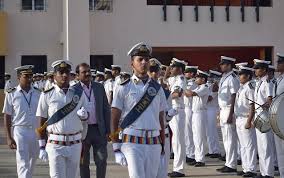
(280, 85)
(48, 85)
(242, 104)
(190, 85)
(228, 85)
(199, 102)
(17, 104)
(108, 88)
(175, 83)
(8, 86)
(117, 82)
(51, 101)
(262, 91)
(128, 95)
(214, 102)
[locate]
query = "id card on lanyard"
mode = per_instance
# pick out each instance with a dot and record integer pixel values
(29, 102)
(90, 104)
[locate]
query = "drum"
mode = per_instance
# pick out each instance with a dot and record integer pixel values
(261, 122)
(276, 112)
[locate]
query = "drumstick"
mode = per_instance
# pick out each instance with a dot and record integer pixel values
(254, 102)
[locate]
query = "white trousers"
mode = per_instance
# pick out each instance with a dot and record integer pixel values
(279, 143)
(27, 150)
(64, 160)
(164, 162)
(143, 160)
(199, 134)
(247, 145)
(178, 146)
(229, 135)
(211, 131)
(189, 144)
(265, 152)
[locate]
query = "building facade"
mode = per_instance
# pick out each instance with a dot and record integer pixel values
(101, 32)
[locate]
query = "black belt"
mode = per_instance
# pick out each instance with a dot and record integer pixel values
(93, 125)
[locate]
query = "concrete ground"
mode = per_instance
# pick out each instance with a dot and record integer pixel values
(8, 165)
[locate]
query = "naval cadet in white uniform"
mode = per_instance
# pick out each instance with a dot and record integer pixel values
(62, 114)
(177, 86)
(263, 96)
(279, 89)
(139, 103)
(8, 83)
(244, 112)
(154, 73)
(108, 84)
(20, 121)
(189, 74)
(199, 115)
(228, 87)
(212, 110)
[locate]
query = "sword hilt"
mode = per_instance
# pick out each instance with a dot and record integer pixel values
(40, 131)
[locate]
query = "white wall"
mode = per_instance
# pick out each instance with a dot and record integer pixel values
(133, 21)
(33, 33)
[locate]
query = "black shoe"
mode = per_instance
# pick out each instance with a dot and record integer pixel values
(192, 163)
(239, 162)
(172, 156)
(249, 174)
(175, 174)
(267, 177)
(215, 155)
(199, 164)
(240, 173)
(221, 169)
(258, 176)
(208, 155)
(228, 170)
(276, 168)
(222, 158)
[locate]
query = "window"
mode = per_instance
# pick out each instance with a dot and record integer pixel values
(264, 3)
(1, 5)
(33, 5)
(100, 62)
(100, 5)
(39, 62)
(2, 72)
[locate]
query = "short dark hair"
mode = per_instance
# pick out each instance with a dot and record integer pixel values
(81, 65)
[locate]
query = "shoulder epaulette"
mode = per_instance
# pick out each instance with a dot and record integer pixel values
(251, 85)
(10, 90)
(48, 90)
(125, 82)
(182, 77)
(206, 85)
(37, 89)
(234, 75)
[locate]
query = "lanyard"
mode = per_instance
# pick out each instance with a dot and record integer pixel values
(90, 94)
(224, 80)
(258, 87)
(30, 99)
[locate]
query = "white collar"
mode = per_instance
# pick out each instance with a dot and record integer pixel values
(57, 89)
(227, 74)
(19, 88)
(137, 80)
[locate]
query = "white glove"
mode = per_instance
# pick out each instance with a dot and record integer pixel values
(172, 112)
(82, 114)
(43, 155)
(120, 158)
